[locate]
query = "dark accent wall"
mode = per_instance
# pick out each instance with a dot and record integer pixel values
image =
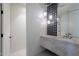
(52, 27)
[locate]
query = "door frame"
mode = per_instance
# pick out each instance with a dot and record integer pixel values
(1, 29)
(6, 29)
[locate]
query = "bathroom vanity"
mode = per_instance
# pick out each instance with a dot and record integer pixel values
(61, 46)
(66, 22)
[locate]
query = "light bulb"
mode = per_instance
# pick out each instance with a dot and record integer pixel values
(58, 19)
(50, 17)
(45, 13)
(48, 22)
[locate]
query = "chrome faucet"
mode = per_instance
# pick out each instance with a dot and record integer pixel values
(68, 35)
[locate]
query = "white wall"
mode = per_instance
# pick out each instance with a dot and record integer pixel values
(18, 27)
(35, 27)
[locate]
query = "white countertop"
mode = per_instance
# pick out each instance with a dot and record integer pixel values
(61, 46)
(72, 40)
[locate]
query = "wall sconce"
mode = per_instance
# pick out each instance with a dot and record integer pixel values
(42, 14)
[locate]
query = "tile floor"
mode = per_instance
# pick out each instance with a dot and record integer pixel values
(19, 53)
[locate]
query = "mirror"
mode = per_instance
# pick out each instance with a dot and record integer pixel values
(68, 15)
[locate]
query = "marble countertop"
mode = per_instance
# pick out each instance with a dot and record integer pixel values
(61, 46)
(72, 40)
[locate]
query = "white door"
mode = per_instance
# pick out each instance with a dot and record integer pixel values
(13, 21)
(18, 29)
